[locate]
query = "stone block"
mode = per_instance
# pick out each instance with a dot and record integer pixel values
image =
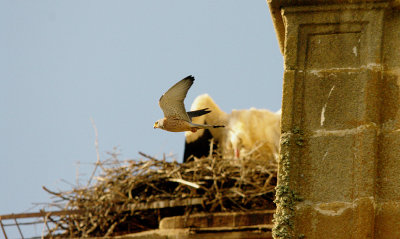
(391, 39)
(288, 100)
(336, 219)
(337, 165)
(390, 98)
(333, 36)
(340, 99)
(387, 220)
(388, 171)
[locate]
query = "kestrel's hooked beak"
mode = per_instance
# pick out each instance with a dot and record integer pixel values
(155, 125)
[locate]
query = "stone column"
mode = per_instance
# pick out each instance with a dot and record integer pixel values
(339, 175)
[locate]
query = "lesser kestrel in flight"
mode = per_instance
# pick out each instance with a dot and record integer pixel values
(176, 119)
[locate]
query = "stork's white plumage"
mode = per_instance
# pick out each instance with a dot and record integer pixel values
(215, 117)
(252, 133)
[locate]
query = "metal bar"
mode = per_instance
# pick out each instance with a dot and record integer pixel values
(19, 229)
(39, 214)
(40, 221)
(2, 228)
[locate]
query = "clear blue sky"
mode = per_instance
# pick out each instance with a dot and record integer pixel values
(64, 62)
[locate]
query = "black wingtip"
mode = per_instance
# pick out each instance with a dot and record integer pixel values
(206, 110)
(218, 126)
(189, 77)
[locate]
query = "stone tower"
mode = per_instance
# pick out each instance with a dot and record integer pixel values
(339, 175)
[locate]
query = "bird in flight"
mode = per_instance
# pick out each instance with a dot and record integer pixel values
(176, 119)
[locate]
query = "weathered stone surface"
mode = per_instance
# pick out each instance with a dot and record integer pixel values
(336, 219)
(387, 221)
(389, 168)
(335, 100)
(339, 175)
(337, 165)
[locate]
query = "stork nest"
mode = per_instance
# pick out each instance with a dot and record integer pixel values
(134, 195)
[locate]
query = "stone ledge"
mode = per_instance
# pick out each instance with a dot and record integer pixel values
(188, 234)
(208, 220)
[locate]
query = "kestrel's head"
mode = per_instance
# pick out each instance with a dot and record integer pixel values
(159, 124)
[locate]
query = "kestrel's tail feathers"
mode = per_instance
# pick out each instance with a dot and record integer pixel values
(205, 126)
(218, 126)
(197, 113)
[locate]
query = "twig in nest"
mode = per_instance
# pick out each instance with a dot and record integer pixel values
(96, 143)
(178, 180)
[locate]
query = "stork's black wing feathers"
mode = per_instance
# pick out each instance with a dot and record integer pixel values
(199, 148)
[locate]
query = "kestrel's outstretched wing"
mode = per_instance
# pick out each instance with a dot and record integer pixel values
(171, 102)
